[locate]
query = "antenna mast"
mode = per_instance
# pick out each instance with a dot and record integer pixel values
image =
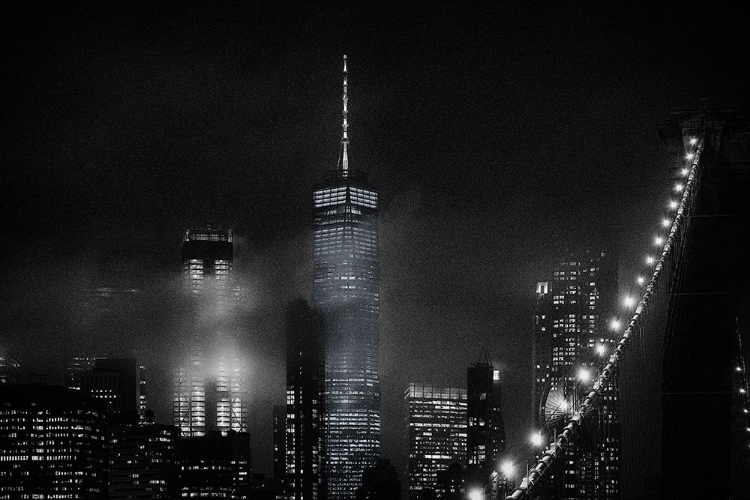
(345, 126)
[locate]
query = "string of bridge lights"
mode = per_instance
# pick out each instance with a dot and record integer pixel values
(743, 389)
(610, 352)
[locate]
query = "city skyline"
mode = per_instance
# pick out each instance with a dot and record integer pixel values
(100, 186)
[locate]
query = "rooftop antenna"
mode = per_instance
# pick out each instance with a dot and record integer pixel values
(345, 126)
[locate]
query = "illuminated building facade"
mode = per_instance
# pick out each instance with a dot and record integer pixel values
(52, 443)
(486, 428)
(76, 368)
(116, 382)
(9, 370)
(572, 332)
(143, 462)
(437, 433)
(346, 296)
(215, 466)
(303, 446)
(209, 392)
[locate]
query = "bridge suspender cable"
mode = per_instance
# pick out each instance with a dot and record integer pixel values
(555, 450)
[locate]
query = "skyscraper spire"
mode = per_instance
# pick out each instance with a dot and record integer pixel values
(345, 126)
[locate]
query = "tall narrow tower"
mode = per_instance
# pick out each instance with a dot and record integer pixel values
(345, 293)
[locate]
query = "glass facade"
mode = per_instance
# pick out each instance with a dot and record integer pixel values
(346, 295)
(209, 390)
(437, 433)
(572, 332)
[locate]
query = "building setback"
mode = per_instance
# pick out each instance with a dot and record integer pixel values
(209, 389)
(52, 443)
(346, 295)
(437, 434)
(572, 333)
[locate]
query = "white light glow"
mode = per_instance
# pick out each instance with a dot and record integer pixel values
(649, 260)
(476, 494)
(738, 369)
(673, 204)
(742, 391)
(629, 301)
(658, 240)
(690, 156)
(640, 280)
(564, 406)
(684, 171)
(615, 324)
(693, 140)
(584, 375)
(507, 468)
(536, 439)
(678, 187)
(601, 349)
(665, 222)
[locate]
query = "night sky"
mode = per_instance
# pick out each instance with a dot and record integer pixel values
(497, 137)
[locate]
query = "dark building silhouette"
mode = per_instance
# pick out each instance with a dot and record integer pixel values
(486, 428)
(572, 333)
(380, 483)
(116, 381)
(346, 295)
(52, 443)
(9, 370)
(215, 466)
(143, 462)
(209, 389)
(279, 442)
(304, 409)
(77, 367)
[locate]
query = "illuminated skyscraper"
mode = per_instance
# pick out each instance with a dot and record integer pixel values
(572, 333)
(437, 434)
(345, 294)
(209, 392)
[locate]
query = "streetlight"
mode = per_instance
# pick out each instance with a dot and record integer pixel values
(476, 494)
(584, 375)
(536, 439)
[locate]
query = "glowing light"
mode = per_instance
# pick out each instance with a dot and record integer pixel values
(684, 171)
(629, 301)
(640, 280)
(536, 439)
(738, 369)
(693, 140)
(476, 494)
(665, 222)
(745, 410)
(673, 204)
(584, 375)
(658, 240)
(601, 349)
(615, 324)
(678, 187)
(742, 391)
(649, 260)
(564, 406)
(507, 468)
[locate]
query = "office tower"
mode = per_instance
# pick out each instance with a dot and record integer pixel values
(572, 334)
(116, 382)
(215, 466)
(143, 462)
(142, 395)
(345, 294)
(486, 429)
(279, 442)
(209, 390)
(9, 370)
(380, 482)
(304, 403)
(76, 368)
(52, 443)
(437, 433)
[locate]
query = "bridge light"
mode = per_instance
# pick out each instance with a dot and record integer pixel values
(564, 406)
(536, 439)
(615, 324)
(745, 410)
(678, 187)
(673, 204)
(742, 391)
(640, 280)
(684, 171)
(739, 369)
(649, 260)
(476, 494)
(665, 222)
(584, 375)
(658, 240)
(690, 156)
(601, 349)
(629, 301)
(693, 140)
(507, 468)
